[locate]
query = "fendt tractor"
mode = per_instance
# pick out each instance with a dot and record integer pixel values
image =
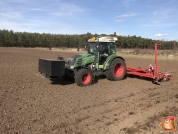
(101, 59)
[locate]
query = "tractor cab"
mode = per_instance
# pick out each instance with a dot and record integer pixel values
(103, 48)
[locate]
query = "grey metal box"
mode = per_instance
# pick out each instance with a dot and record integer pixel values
(50, 67)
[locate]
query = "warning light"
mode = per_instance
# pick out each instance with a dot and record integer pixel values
(92, 39)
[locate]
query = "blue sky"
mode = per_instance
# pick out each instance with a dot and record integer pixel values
(155, 19)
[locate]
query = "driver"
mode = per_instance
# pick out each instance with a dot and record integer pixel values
(91, 50)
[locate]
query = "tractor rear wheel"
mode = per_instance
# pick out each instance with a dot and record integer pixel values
(117, 70)
(83, 77)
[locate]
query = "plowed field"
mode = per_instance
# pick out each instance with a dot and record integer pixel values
(34, 105)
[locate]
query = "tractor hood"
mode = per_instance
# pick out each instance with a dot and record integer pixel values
(79, 60)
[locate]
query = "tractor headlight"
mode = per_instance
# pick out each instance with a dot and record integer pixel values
(70, 61)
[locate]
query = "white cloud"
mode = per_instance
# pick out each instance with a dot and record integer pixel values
(160, 35)
(37, 9)
(119, 20)
(68, 10)
(16, 26)
(16, 1)
(127, 3)
(11, 15)
(127, 15)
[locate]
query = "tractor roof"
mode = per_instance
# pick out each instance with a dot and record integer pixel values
(103, 39)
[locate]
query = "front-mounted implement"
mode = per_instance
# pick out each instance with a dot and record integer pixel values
(151, 72)
(50, 67)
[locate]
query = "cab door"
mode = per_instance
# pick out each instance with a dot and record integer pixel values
(107, 53)
(103, 53)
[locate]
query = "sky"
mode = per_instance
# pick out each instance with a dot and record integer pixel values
(154, 19)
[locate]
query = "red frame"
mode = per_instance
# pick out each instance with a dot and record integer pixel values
(152, 74)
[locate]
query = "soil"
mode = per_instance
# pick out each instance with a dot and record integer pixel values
(34, 105)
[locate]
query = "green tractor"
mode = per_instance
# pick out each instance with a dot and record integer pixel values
(101, 59)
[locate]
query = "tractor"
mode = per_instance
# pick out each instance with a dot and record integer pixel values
(101, 59)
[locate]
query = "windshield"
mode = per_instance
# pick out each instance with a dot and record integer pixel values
(92, 48)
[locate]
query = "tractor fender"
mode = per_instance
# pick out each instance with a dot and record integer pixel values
(109, 62)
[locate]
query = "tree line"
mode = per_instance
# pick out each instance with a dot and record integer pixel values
(9, 38)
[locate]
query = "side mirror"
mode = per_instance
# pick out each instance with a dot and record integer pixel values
(86, 46)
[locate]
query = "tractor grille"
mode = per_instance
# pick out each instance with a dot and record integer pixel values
(79, 62)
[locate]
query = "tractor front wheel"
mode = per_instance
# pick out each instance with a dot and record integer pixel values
(83, 77)
(117, 70)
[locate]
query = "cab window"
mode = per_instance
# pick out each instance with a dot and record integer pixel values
(112, 48)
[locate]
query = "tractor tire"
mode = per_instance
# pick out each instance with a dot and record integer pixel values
(83, 77)
(117, 70)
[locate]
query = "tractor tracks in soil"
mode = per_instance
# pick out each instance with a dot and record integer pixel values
(144, 102)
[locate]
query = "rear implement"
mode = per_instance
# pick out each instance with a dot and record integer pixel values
(151, 72)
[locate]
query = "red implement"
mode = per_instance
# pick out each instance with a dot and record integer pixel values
(151, 72)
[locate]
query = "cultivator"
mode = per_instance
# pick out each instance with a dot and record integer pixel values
(151, 72)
